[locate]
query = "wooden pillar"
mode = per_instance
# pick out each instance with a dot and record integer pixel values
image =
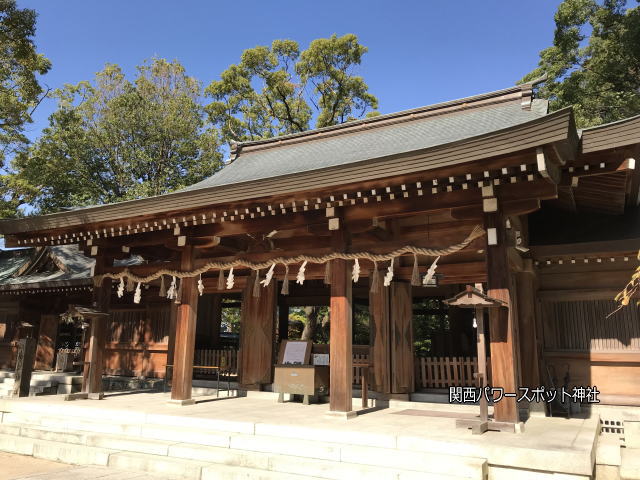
(401, 338)
(526, 287)
(185, 336)
(379, 338)
(257, 330)
(504, 360)
(92, 380)
(340, 341)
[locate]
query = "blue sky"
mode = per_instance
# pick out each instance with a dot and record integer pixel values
(420, 52)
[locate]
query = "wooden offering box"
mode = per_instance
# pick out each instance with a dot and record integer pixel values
(295, 376)
(304, 380)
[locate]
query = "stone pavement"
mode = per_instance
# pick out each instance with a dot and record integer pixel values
(19, 467)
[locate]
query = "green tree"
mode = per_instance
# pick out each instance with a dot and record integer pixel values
(20, 64)
(114, 140)
(276, 90)
(594, 62)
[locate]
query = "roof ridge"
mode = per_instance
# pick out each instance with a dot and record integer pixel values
(346, 127)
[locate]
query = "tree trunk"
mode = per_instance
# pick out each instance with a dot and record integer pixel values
(312, 322)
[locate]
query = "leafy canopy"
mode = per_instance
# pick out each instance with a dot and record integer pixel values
(19, 66)
(594, 62)
(116, 140)
(277, 90)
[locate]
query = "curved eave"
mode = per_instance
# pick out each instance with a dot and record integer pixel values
(552, 128)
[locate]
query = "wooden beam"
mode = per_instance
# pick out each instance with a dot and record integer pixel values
(185, 334)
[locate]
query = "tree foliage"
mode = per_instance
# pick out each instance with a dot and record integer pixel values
(277, 90)
(594, 62)
(114, 140)
(20, 64)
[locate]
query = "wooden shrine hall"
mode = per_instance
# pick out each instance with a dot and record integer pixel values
(490, 190)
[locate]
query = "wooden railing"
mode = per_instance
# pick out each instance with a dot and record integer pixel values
(444, 372)
(227, 359)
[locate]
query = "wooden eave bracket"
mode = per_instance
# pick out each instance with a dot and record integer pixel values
(549, 170)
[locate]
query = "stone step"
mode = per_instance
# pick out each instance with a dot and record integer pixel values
(35, 382)
(630, 465)
(173, 467)
(55, 451)
(334, 460)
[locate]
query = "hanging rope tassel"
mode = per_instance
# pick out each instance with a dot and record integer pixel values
(179, 292)
(300, 276)
(121, 288)
(327, 273)
(374, 278)
(415, 274)
(389, 275)
(200, 286)
(138, 295)
(130, 284)
(430, 272)
(171, 293)
(221, 280)
(285, 282)
(355, 273)
(230, 280)
(268, 276)
(256, 285)
(163, 287)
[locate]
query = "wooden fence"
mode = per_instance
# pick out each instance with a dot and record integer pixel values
(444, 372)
(227, 358)
(431, 372)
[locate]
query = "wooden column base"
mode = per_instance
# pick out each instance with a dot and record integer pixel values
(84, 396)
(479, 426)
(342, 415)
(181, 403)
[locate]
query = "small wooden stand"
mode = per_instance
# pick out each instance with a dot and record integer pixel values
(474, 298)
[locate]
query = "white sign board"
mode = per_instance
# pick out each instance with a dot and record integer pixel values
(321, 359)
(294, 353)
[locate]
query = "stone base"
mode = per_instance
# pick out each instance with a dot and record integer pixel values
(342, 415)
(96, 396)
(182, 403)
(76, 396)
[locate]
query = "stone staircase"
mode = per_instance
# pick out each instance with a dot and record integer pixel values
(204, 449)
(42, 383)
